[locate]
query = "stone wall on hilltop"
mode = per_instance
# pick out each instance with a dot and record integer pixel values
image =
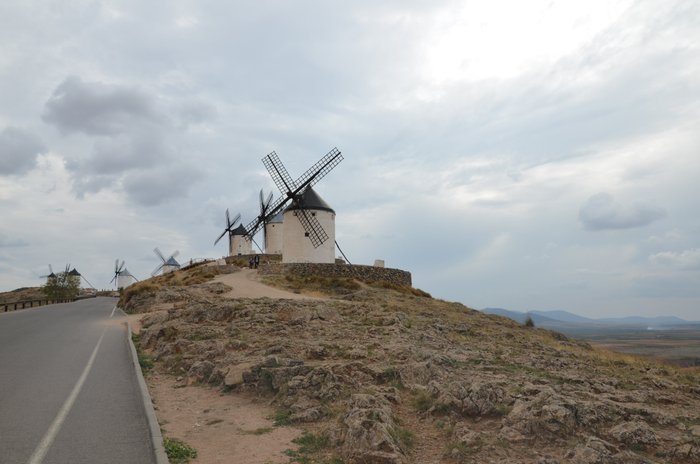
(364, 273)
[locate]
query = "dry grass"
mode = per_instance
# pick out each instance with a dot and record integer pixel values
(310, 284)
(179, 278)
(22, 294)
(335, 286)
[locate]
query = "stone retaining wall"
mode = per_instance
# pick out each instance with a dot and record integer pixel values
(364, 273)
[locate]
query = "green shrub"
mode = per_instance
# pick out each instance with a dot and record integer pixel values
(178, 451)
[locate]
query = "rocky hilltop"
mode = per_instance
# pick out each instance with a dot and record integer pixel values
(391, 375)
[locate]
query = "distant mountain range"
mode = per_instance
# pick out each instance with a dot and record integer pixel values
(563, 319)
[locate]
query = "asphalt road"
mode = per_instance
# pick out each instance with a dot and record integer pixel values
(68, 390)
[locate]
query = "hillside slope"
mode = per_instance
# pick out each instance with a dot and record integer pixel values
(383, 376)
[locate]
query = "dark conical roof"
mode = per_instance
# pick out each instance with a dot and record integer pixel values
(125, 273)
(171, 262)
(74, 272)
(310, 200)
(240, 230)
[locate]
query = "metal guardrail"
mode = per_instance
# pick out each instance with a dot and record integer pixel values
(15, 305)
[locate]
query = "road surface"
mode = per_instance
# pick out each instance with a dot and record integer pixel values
(68, 390)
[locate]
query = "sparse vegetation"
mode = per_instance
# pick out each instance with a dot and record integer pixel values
(310, 447)
(282, 417)
(325, 285)
(178, 451)
(145, 361)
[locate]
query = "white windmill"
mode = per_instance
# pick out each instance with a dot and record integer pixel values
(273, 234)
(296, 241)
(122, 277)
(166, 265)
(241, 243)
(308, 221)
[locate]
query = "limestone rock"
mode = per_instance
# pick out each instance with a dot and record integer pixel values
(235, 375)
(635, 434)
(368, 432)
(199, 372)
(594, 451)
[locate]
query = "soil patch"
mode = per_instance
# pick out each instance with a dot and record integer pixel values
(223, 428)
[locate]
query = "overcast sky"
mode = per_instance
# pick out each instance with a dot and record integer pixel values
(527, 155)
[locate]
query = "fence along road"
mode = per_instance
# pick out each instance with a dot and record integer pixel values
(68, 390)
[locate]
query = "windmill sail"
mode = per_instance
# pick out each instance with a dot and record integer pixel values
(293, 191)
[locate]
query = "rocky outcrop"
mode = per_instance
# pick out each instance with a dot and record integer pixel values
(368, 431)
(383, 370)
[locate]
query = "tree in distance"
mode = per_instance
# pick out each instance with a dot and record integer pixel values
(62, 286)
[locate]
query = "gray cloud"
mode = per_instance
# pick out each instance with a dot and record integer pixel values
(121, 153)
(685, 260)
(95, 108)
(130, 135)
(7, 242)
(601, 212)
(19, 150)
(155, 186)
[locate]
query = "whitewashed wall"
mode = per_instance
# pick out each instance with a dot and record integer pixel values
(297, 248)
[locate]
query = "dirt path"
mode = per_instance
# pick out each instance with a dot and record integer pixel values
(246, 284)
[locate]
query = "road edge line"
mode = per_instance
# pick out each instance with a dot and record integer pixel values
(153, 426)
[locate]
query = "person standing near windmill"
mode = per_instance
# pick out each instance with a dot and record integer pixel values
(256, 260)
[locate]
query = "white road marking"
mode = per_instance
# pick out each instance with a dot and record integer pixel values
(113, 309)
(40, 452)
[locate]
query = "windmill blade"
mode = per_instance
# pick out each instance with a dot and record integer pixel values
(221, 236)
(175, 253)
(121, 266)
(87, 282)
(235, 220)
(159, 254)
(265, 237)
(279, 173)
(116, 266)
(113, 279)
(50, 274)
(291, 189)
(313, 228)
(228, 220)
(319, 170)
(254, 226)
(156, 270)
(268, 201)
(262, 203)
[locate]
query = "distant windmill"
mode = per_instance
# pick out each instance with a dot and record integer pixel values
(122, 277)
(167, 265)
(264, 216)
(117, 269)
(305, 237)
(77, 275)
(240, 242)
(234, 235)
(50, 275)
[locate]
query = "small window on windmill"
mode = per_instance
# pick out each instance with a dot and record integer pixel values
(306, 234)
(313, 214)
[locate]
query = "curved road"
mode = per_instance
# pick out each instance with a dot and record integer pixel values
(68, 390)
